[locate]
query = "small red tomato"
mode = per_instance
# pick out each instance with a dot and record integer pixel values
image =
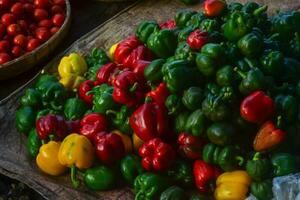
(46, 23)
(54, 30)
(41, 3)
(61, 3)
(13, 29)
(2, 30)
(8, 19)
(17, 9)
(23, 24)
(4, 46)
(33, 44)
(20, 40)
(43, 34)
(4, 58)
(57, 9)
(40, 14)
(28, 8)
(58, 20)
(5, 4)
(17, 51)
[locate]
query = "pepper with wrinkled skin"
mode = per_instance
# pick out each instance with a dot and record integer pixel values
(184, 52)
(259, 168)
(25, 119)
(214, 8)
(137, 142)
(211, 26)
(225, 76)
(91, 124)
(145, 29)
(272, 63)
(83, 92)
(45, 112)
(215, 108)
(184, 33)
(120, 119)
(232, 51)
(190, 146)
(287, 107)
(197, 39)
(182, 174)
(169, 25)
(45, 78)
(251, 45)
(173, 104)
(153, 72)
(31, 98)
(196, 20)
(262, 190)
(159, 94)
(183, 16)
(221, 133)
(196, 123)
(74, 108)
(33, 143)
(105, 73)
(180, 122)
(192, 98)
(95, 60)
(173, 192)
(130, 168)
(283, 164)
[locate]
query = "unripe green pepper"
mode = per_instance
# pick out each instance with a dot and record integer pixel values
(221, 133)
(283, 164)
(31, 98)
(182, 174)
(184, 33)
(44, 78)
(173, 104)
(145, 29)
(153, 72)
(209, 25)
(294, 47)
(195, 123)
(196, 20)
(272, 62)
(251, 45)
(259, 168)
(189, 2)
(173, 193)
(291, 70)
(131, 167)
(120, 119)
(33, 143)
(287, 107)
(103, 99)
(25, 119)
(215, 108)
(192, 98)
(199, 197)
(45, 112)
(74, 108)
(262, 190)
(226, 76)
(185, 52)
(183, 16)
(180, 122)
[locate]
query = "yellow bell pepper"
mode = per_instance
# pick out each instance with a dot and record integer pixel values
(111, 51)
(76, 151)
(137, 142)
(71, 69)
(47, 159)
(126, 141)
(232, 185)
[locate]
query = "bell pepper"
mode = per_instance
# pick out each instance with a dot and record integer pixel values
(211, 26)
(169, 25)
(197, 39)
(205, 175)
(73, 126)
(159, 94)
(173, 104)
(149, 121)
(45, 78)
(139, 69)
(228, 157)
(184, 52)
(189, 2)
(31, 98)
(262, 190)
(192, 98)
(105, 73)
(221, 133)
(157, 155)
(183, 16)
(213, 8)
(283, 164)
(45, 112)
(131, 167)
(74, 108)
(190, 146)
(215, 108)
(181, 174)
(153, 72)
(109, 147)
(184, 33)
(84, 88)
(25, 119)
(287, 107)
(163, 43)
(145, 29)
(91, 124)
(173, 192)
(225, 76)
(238, 25)
(291, 70)
(232, 185)
(111, 51)
(137, 142)
(76, 151)
(47, 159)
(127, 90)
(294, 46)
(71, 70)
(33, 143)
(195, 123)
(120, 119)
(199, 197)
(196, 20)
(95, 60)
(259, 168)
(272, 62)
(100, 178)
(251, 45)
(126, 139)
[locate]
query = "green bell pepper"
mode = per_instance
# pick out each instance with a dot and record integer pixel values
(293, 137)
(189, 2)
(148, 186)
(215, 51)
(153, 72)
(221, 133)
(31, 98)
(74, 108)
(131, 167)
(196, 20)
(199, 197)
(120, 119)
(184, 33)
(246, 64)
(95, 60)
(183, 16)
(163, 43)
(283, 164)
(251, 45)
(259, 168)
(184, 52)
(103, 99)
(262, 190)
(291, 71)
(33, 143)
(192, 98)
(272, 63)
(173, 193)
(173, 104)
(226, 76)
(215, 108)
(182, 174)
(25, 119)
(232, 51)
(209, 25)
(211, 88)
(195, 123)
(45, 78)
(181, 121)
(287, 107)
(45, 112)
(294, 47)
(228, 95)
(145, 29)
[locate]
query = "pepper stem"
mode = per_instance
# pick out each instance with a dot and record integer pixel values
(279, 121)
(51, 137)
(133, 87)
(55, 107)
(260, 10)
(240, 160)
(256, 156)
(239, 72)
(43, 142)
(148, 99)
(75, 181)
(111, 112)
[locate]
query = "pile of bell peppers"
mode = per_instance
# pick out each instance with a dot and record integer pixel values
(206, 102)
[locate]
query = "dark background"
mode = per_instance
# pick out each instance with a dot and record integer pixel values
(86, 15)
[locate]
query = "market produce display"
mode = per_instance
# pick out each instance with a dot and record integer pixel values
(26, 24)
(206, 102)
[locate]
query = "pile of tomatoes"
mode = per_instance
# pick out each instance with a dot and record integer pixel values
(26, 24)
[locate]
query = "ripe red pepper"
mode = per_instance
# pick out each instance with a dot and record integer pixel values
(197, 39)
(129, 51)
(205, 176)
(91, 124)
(127, 89)
(171, 24)
(257, 107)
(190, 146)
(149, 121)
(109, 147)
(104, 74)
(157, 155)
(213, 8)
(51, 125)
(268, 136)
(73, 126)
(84, 89)
(159, 94)
(139, 68)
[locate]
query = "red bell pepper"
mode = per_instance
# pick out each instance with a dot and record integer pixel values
(105, 72)
(157, 155)
(149, 121)
(197, 39)
(213, 8)
(159, 94)
(84, 89)
(127, 89)
(205, 176)
(268, 136)
(51, 125)
(171, 24)
(92, 124)
(109, 147)
(139, 68)
(257, 107)
(190, 146)
(129, 51)
(73, 126)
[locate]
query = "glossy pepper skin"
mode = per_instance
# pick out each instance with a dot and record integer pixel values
(25, 119)
(283, 164)
(205, 174)
(45, 112)
(149, 121)
(291, 70)
(197, 39)
(84, 88)
(31, 98)
(169, 25)
(126, 139)
(184, 52)
(71, 70)
(213, 8)
(33, 143)
(105, 73)
(262, 190)
(131, 167)
(145, 29)
(221, 133)
(153, 72)
(100, 178)
(190, 146)
(163, 43)
(148, 186)
(192, 98)
(226, 76)
(272, 63)
(74, 108)
(159, 94)
(215, 108)
(173, 104)
(257, 107)
(95, 60)
(184, 33)
(173, 192)
(183, 16)
(120, 119)
(103, 99)
(259, 168)
(182, 174)
(157, 155)
(251, 45)
(286, 106)
(47, 159)
(195, 123)
(91, 124)
(232, 185)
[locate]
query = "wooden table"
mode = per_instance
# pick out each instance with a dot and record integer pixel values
(86, 15)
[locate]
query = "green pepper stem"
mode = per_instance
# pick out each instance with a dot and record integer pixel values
(133, 87)
(279, 121)
(256, 156)
(243, 75)
(51, 137)
(240, 160)
(55, 107)
(75, 181)
(111, 112)
(148, 99)
(260, 10)
(43, 142)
